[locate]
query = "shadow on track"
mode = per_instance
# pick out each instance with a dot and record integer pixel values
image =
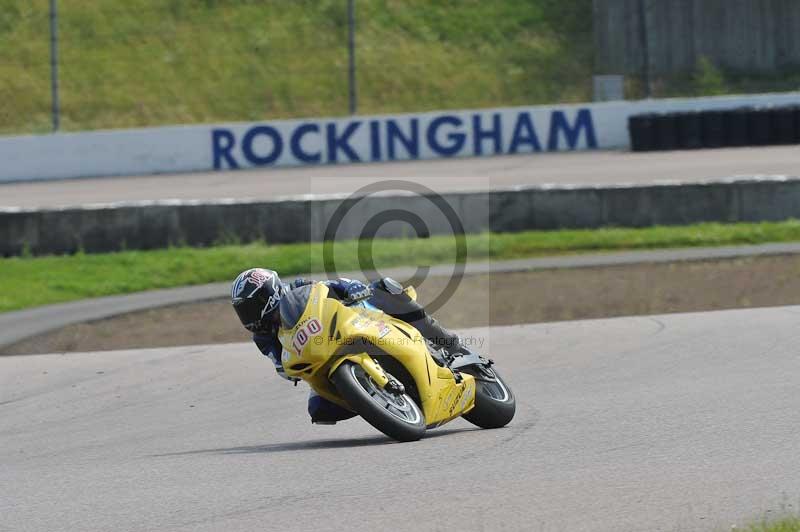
(310, 445)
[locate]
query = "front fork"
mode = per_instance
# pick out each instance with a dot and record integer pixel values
(374, 370)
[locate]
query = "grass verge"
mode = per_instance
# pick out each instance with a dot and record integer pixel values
(33, 281)
(788, 524)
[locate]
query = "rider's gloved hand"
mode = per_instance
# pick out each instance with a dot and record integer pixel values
(297, 283)
(350, 289)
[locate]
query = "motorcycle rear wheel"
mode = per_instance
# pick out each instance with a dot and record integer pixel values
(495, 405)
(396, 415)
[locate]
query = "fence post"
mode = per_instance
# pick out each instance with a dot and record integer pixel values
(56, 111)
(644, 42)
(351, 51)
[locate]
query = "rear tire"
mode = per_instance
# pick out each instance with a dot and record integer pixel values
(495, 405)
(397, 416)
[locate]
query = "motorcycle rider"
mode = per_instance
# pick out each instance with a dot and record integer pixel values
(256, 294)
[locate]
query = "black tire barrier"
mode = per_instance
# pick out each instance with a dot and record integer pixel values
(642, 132)
(690, 131)
(737, 125)
(713, 129)
(743, 126)
(796, 113)
(758, 122)
(665, 128)
(783, 126)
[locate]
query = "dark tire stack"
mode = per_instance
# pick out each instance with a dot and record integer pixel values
(715, 129)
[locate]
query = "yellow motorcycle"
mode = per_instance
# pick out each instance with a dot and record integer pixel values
(383, 369)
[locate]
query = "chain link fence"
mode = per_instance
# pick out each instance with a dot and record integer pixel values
(154, 62)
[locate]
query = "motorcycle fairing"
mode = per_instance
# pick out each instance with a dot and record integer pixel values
(328, 333)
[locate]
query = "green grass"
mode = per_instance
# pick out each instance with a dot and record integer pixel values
(148, 62)
(33, 281)
(709, 79)
(788, 524)
(156, 62)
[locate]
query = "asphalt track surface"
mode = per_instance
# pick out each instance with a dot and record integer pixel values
(678, 422)
(586, 168)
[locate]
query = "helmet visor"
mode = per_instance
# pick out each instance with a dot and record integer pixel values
(249, 312)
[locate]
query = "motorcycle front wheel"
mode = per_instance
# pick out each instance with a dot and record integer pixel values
(495, 405)
(396, 415)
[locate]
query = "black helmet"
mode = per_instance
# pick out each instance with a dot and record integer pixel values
(256, 294)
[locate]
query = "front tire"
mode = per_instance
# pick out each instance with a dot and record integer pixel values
(396, 415)
(495, 405)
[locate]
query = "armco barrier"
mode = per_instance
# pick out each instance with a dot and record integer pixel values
(160, 224)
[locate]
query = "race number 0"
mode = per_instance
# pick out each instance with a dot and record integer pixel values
(313, 327)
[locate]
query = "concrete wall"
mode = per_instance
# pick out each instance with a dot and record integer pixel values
(156, 225)
(418, 136)
(749, 35)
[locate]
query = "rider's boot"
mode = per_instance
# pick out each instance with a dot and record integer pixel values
(324, 412)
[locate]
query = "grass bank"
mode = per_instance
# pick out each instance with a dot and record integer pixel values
(33, 281)
(148, 62)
